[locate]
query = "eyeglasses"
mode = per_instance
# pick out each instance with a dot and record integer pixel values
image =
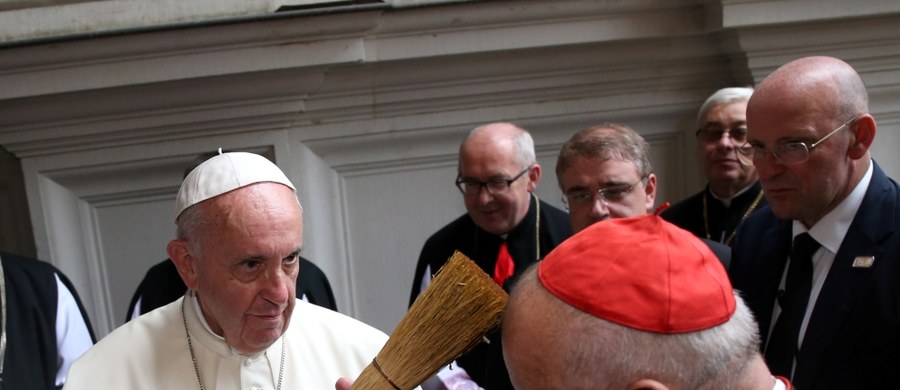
(470, 187)
(787, 153)
(738, 135)
(581, 199)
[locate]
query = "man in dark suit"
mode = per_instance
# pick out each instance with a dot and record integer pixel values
(829, 318)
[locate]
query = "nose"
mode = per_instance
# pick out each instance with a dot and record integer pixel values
(483, 196)
(276, 286)
(599, 211)
(767, 165)
(726, 141)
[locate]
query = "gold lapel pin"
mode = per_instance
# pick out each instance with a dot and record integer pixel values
(863, 261)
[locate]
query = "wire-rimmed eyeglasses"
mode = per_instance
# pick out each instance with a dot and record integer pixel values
(580, 199)
(472, 187)
(787, 153)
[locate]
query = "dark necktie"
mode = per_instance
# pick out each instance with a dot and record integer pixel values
(504, 267)
(783, 342)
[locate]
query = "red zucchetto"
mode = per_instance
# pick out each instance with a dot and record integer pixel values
(643, 273)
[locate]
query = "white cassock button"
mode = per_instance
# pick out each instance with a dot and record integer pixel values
(247, 362)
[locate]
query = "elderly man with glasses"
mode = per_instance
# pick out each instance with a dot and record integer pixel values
(820, 266)
(732, 192)
(604, 172)
(506, 229)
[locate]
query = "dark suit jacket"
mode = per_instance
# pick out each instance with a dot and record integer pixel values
(852, 340)
(722, 251)
(162, 285)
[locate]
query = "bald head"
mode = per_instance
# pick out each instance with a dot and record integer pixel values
(825, 84)
(626, 301)
(819, 101)
(549, 345)
(505, 138)
(498, 153)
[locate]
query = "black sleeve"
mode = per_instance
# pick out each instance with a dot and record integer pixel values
(313, 282)
(161, 286)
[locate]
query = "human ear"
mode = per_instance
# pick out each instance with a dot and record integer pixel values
(862, 133)
(534, 177)
(185, 263)
(650, 192)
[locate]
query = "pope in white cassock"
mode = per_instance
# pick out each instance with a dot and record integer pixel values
(240, 231)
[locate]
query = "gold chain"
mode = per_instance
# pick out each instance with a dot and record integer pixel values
(746, 214)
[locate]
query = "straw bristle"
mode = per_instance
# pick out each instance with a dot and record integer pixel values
(452, 315)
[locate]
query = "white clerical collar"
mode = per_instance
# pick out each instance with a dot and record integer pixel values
(780, 384)
(201, 331)
(831, 229)
(727, 201)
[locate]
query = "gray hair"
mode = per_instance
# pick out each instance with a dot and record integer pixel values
(723, 96)
(189, 227)
(606, 141)
(714, 358)
(600, 354)
(525, 155)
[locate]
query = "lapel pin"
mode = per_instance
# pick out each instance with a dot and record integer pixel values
(863, 261)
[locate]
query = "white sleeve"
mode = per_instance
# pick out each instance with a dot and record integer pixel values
(426, 279)
(454, 377)
(137, 309)
(72, 335)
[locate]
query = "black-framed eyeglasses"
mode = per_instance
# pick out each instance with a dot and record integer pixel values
(471, 187)
(581, 199)
(738, 135)
(787, 153)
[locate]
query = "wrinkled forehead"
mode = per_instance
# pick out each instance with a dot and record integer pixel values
(786, 95)
(610, 167)
(769, 119)
(734, 110)
(259, 202)
(254, 217)
(492, 160)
